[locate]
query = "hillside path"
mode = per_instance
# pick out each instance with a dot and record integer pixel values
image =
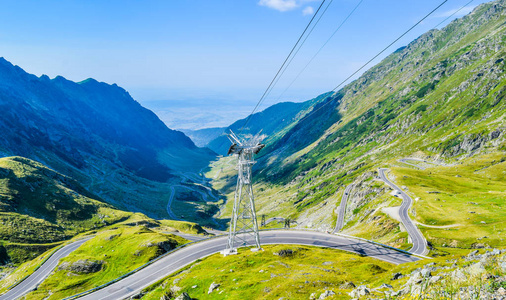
(419, 242)
(342, 209)
(31, 282)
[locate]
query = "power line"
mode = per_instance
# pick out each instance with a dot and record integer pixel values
(272, 81)
(293, 56)
(321, 48)
(384, 49)
(453, 13)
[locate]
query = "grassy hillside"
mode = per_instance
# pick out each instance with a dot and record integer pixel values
(440, 98)
(310, 271)
(110, 254)
(270, 122)
(39, 207)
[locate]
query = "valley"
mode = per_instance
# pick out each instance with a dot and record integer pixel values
(392, 187)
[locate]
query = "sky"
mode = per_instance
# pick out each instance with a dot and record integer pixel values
(222, 51)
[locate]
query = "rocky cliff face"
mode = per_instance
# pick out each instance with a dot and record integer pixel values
(97, 134)
(79, 121)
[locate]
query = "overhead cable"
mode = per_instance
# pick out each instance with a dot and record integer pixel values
(286, 60)
(369, 61)
(319, 50)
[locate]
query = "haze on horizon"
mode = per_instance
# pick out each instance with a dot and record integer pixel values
(218, 55)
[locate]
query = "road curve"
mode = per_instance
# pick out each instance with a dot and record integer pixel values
(419, 242)
(176, 260)
(45, 269)
(342, 209)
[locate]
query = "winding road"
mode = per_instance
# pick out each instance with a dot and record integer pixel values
(406, 161)
(133, 284)
(342, 209)
(45, 269)
(419, 242)
(176, 260)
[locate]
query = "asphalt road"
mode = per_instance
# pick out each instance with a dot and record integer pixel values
(169, 264)
(419, 242)
(406, 161)
(342, 209)
(38, 276)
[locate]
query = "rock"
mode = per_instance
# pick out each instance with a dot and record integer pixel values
(347, 285)
(111, 237)
(416, 278)
(434, 279)
(495, 252)
(212, 287)
(312, 296)
(478, 245)
(501, 291)
(194, 286)
(458, 275)
(397, 276)
(326, 294)
(473, 253)
(84, 266)
(406, 290)
(426, 273)
(284, 252)
(359, 292)
(502, 265)
(476, 269)
(386, 286)
(183, 296)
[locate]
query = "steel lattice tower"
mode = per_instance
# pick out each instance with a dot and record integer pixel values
(243, 225)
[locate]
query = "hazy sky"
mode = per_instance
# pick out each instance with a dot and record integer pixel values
(188, 49)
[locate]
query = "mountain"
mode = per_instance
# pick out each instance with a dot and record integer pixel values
(77, 121)
(440, 99)
(272, 120)
(97, 134)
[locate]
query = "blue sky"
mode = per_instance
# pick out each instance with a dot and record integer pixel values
(200, 49)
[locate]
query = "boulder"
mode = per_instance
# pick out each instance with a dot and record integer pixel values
(212, 287)
(476, 269)
(183, 296)
(284, 252)
(347, 285)
(359, 292)
(84, 266)
(326, 294)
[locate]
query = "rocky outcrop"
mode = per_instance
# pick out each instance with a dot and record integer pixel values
(82, 266)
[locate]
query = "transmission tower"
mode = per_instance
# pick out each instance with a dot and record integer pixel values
(243, 226)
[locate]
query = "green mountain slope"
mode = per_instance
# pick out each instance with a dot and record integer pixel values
(39, 207)
(97, 134)
(272, 122)
(440, 98)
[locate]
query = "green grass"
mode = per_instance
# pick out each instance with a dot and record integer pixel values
(262, 275)
(121, 250)
(39, 207)
(471, 195)
(25, 270)
(182, 226)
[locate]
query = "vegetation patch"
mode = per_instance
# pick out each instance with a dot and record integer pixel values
(109, 255)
